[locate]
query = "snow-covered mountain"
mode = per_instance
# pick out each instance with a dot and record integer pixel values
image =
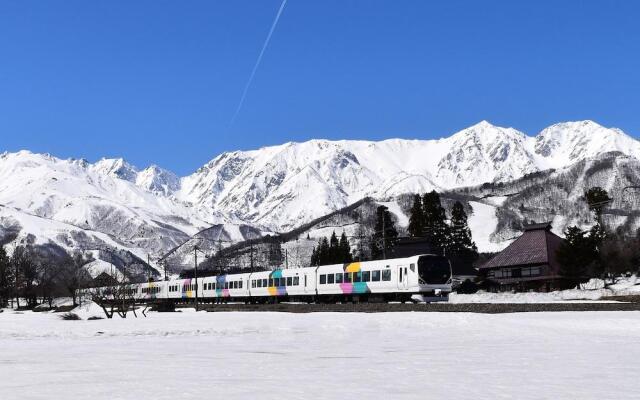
(284, 186)
(273, 188)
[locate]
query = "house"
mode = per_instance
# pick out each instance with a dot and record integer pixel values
(102, 280)
(529, 263)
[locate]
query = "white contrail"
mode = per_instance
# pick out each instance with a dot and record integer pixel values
(255, 67)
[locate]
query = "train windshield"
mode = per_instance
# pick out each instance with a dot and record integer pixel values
(434, 270)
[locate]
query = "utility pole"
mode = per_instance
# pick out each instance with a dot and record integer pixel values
(251, 254)
(384, 231)
(164, 265)
(195, 262)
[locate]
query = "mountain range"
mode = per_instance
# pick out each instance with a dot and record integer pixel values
(113, 204)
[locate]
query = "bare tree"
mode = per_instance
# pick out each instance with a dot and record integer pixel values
(72, 274)
(26, 274)
(6, 278)
(116, 297)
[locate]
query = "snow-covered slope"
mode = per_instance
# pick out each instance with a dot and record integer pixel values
(273, 188)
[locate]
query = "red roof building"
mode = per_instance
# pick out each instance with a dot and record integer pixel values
(528, 263)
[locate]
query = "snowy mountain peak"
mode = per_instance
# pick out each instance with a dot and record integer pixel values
(116, 168)
(569, 142)
(158, 180)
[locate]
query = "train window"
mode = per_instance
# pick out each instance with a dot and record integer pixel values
(253, 283)
(289, 281)
(264, 283)
(296, 281)
(339, 277)
(270, 282)
(276, 282)
(240, 284)
(330, 278)
(259, 283)
(386, 275)
(346, 277)
(323, 279)
(400, 275)
(226, 285)
(366, 276)
(357, 276)
(413, 267)
(236, 285)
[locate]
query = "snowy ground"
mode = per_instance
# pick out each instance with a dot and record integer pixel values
(591, 291)
(588, 355)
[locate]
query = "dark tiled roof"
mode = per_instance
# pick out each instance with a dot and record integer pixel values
(537, 245)
(535, 227)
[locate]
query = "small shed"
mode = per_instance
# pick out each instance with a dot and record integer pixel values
(529, 263)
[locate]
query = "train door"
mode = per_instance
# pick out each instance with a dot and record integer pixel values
(403, 278)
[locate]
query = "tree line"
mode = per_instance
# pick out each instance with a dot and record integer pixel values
(30, 276)
(445, 236)
(332, 251)
(428, 220)
(597, 252)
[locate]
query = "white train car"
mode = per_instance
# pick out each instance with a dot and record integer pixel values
(283, 285)
(225, 287)
(384, 280)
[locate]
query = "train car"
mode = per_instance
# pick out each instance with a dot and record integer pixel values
(384, 280)
(233, 287)
(150, 291)
(296, 284)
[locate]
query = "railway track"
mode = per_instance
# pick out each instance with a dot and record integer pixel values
(484, 308)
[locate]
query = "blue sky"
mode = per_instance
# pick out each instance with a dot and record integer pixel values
(159, 81)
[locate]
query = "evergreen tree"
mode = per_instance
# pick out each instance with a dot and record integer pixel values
(416, 219)
(323, 252)
(597, 198)
(314, 255)
(345, 249)
(576, 256)
(435, 225)
(385, 235)
(461, 247)
(334, 256)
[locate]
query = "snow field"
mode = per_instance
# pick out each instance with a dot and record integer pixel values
(588, 355)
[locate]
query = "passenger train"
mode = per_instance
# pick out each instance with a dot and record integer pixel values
(384, 280)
